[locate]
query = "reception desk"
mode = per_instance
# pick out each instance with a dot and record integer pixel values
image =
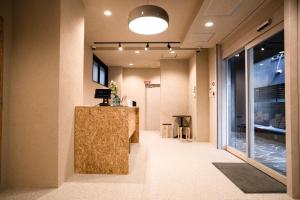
(102, 138)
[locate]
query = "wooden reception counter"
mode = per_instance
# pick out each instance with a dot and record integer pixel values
(102, 138)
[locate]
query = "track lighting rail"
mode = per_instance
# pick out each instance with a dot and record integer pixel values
(137, 42)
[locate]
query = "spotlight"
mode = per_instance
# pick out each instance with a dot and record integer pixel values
(169, 47)
(209, 24)
(107, 13)
(120, 47)
(147, 46)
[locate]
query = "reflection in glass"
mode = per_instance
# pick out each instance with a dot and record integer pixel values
(267, 103)
(236, 102)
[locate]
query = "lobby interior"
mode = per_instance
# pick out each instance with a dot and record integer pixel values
(218, 82)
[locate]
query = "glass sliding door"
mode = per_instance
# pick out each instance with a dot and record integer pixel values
(236, 98)
(266, 100)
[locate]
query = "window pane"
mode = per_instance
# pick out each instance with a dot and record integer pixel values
(102, 75)
(95, 72)
(236, 102)
(267, 103)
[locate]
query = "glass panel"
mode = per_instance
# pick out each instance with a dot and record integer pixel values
(102, 75)
(267, 103)
(236, 102)
(95, 72)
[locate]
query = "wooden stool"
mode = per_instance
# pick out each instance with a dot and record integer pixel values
(180, 129)
(187, 133)
(165, 130)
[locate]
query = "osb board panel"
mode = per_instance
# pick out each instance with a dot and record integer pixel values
(131, 122)
(101, 140)
(134, 121)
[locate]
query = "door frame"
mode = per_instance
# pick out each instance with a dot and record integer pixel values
(146, 94)
(222, 79)
(1, 86)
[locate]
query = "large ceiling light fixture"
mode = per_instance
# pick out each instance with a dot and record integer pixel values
(148, 20)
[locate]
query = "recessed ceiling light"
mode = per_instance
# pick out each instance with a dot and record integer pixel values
(209, 24)
(107, 13)
(130, 64)
(137, 52)
(172, 52)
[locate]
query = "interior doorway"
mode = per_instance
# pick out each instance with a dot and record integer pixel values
(152, 107)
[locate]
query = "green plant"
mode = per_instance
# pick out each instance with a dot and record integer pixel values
(113, 87)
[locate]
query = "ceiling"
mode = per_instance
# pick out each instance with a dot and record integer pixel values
(187, 19)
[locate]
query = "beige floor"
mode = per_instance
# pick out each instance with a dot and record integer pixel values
(159, 169)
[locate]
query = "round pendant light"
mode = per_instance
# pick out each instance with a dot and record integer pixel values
(148, 20)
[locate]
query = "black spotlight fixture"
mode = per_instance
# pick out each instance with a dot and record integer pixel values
(147, 46)
(120, 47)
(169, 47)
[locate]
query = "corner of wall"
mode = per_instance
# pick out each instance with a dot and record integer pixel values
(202, 85)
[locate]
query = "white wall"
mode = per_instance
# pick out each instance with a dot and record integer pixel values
(174, 89)
(116, 74)
(199, 104)
(70, 81)
(192, 97)
(202, 96)
(212, 61)
(134, 87)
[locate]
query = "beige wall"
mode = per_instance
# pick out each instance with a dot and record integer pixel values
(246, 32)
(70, 81)
(5, 12)
(134, 87)
(89, 85)
(192, 94)
(45, 82)
(212, 62)
(116, 74)
(33, 94)
(174, 89)
(202, 96)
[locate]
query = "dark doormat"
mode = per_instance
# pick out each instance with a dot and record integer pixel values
(249, 179)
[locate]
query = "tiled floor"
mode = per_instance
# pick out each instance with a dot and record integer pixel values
(160, 169)
(268, 152)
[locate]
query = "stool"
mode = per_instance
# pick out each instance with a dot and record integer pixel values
(165, 130)
(187, 133)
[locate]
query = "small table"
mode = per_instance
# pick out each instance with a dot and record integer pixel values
(181, 117)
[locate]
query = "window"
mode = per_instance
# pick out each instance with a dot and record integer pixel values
(267, 102)
(100, 71)
(236, 96)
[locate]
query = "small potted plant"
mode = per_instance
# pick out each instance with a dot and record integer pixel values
(114, 91)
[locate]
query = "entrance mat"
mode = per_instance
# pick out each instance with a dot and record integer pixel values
(249, 179)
